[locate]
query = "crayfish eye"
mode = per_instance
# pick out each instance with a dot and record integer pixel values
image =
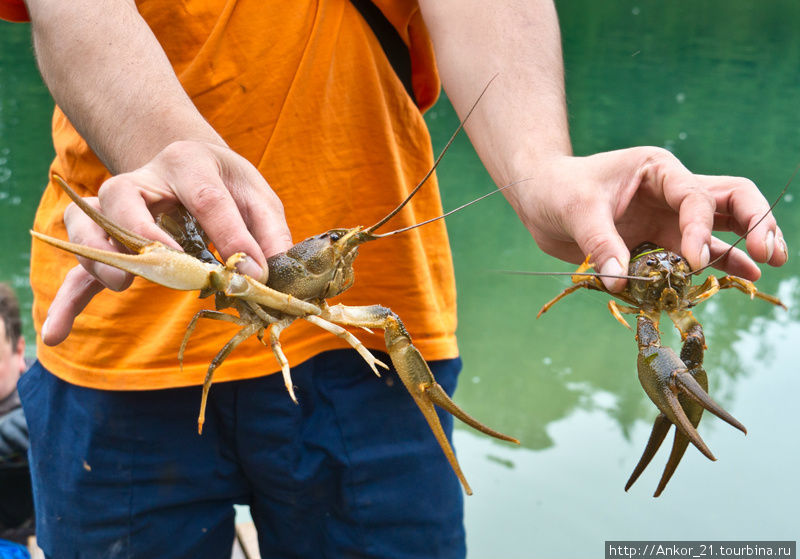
(675, 259)
(651, 262)
(335, 236)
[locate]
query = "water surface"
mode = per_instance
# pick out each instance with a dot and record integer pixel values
(718, 84)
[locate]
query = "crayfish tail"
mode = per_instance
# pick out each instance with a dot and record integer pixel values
(692, 388)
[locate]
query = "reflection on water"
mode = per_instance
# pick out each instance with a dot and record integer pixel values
(566, 500)
(718, 83)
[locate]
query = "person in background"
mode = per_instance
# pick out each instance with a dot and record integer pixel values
(16, 500)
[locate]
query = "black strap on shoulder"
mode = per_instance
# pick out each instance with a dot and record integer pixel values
(392, 44)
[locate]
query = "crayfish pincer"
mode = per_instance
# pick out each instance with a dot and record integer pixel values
(661, 281)
(300, 281)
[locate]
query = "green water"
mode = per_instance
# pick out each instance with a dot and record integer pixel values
(716, 82)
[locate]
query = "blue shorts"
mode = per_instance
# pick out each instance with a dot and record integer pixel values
(353, 471)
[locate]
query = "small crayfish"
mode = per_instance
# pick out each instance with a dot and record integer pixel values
(660, 281)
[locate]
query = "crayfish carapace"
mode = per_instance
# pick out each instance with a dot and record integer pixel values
(660, 281)
(299, 282)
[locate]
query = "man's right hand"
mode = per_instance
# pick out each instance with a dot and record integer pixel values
(228, 196)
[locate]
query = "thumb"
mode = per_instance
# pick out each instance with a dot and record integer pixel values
(597, 235)
(74, 294)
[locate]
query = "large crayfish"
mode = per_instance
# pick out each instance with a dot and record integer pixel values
(300, 280)
(660, 281)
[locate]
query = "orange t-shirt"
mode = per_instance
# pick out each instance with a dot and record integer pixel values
(13, 10)
(304, 91)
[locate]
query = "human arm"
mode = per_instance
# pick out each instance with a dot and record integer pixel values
(110, 76)
(573, 206)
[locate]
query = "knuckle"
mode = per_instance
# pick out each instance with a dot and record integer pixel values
(113, 186)
(230, 246)
(656, 157)
(206, 197)
(71, 213)
(701, 199)
(177, 152)
(744, 183)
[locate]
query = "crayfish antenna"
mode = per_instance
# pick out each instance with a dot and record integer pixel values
(689, 386)
(411, 194)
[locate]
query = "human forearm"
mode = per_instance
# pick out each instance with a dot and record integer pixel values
(574, 206)
(111, 77)
(522, 119)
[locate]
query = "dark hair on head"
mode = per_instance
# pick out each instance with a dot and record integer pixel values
(9, 312)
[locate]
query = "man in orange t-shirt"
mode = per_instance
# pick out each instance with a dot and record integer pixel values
(195, 103)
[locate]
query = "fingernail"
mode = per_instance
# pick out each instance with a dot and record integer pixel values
(705, 256)
(784, 248)
(612, 267)
(44, 328)
(249, 267)
(770, 242)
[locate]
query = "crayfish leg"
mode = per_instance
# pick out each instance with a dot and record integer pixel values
(275, 343)
(241, 336)
(706, 290)
(252, 291)
(591, 283)
(354, 342)
(749, 288)
(617, 310)
(212, 315)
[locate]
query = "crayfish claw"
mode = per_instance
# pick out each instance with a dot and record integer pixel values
(693, 412)
(676, 413)
(438, 396)
(427, 393)
(660, 369)
(689, 386)
(678, 386)
(679, 446)
(657, 435)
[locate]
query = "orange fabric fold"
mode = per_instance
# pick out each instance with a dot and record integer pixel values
(14, 10)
